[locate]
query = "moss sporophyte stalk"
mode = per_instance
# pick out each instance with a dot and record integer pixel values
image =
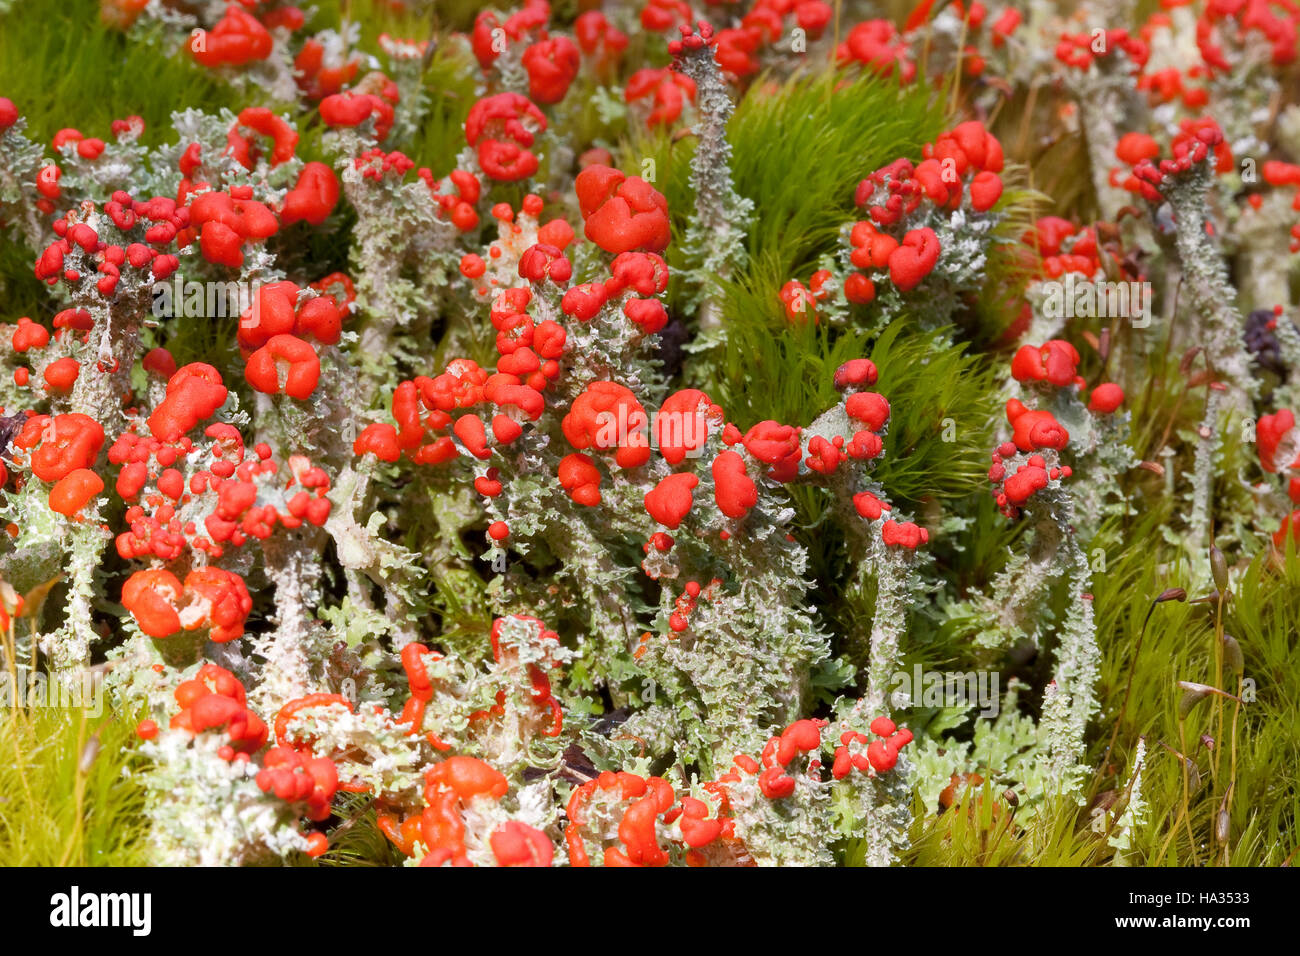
(649, 433)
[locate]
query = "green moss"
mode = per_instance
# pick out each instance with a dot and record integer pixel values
(66, 69)
(798, 152)
(64, 800)
(1179, 645)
